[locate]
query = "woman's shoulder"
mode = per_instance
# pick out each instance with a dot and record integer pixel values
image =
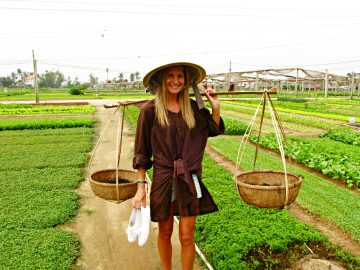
(148, 105)
(147, 109)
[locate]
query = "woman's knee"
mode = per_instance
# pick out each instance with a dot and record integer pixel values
(166, 229)
(186, 238)
(186, 230)
(165, 234)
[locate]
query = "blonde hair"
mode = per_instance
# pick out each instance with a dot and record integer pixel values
(184, 102)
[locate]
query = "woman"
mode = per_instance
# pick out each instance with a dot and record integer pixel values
(171, 135)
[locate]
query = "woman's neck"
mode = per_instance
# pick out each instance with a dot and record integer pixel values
(173, 103)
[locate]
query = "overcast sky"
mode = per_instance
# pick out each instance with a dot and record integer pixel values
(81, 37)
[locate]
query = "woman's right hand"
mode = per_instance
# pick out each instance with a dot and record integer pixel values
(140, 197)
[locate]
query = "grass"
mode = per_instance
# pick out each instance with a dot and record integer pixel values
(240, 236)
(45, 249)
(131, 116)
(237, 237)
(289, 117)
(317, 195)
(42, 179)
(46, 136)
(51, 155)
(333, 158)
(43, 123)
(26, 109)
(267, 123)
(63, 94)
(343, 107)
(36, 209)
(343, 134)
(338, 109)
(39, 171)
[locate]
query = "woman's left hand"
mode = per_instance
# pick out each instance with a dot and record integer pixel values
(215, 105)
(213, 99)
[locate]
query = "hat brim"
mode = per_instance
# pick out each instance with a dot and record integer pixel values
(196, 72)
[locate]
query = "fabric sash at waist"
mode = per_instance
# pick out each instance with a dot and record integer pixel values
(184, 184)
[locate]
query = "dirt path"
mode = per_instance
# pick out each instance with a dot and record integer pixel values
(330, 230)
(101, 224)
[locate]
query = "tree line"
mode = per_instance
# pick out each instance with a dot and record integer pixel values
(56, 79)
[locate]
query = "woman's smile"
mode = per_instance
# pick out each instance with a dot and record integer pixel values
(175, 80)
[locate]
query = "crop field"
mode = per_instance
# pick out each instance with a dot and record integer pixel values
(40, 167)
(14, 94)
(241, 236)
(43, 153)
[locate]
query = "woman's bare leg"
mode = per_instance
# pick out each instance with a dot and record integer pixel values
(186, 236)
(164, 241)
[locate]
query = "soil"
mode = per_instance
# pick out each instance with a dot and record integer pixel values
(311, 262)
(101, 224)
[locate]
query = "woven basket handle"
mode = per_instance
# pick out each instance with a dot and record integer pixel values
(118, 147)
(280, 136)
(259, 133)
(119, 137)
(281, 129)
(279, 132)
(245, 137)
(100, 137)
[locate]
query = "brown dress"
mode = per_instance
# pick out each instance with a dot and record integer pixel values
(176, 152)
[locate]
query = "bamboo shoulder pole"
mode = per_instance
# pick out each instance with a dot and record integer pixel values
(125, 103)
(272, 91)
(231, 93)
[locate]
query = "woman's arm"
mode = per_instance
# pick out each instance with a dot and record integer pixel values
(215, 105)
(142, 152)
(140, 196)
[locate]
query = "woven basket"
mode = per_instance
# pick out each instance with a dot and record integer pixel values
(103, 184)
(266, 188)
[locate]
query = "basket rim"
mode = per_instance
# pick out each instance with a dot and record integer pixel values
(92, 181)
(292, 185)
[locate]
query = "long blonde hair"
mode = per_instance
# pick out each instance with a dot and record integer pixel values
(184, 101)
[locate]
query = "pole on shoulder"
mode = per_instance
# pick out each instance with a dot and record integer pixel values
(271, 91)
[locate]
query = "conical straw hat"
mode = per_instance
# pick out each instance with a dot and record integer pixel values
(152, 78)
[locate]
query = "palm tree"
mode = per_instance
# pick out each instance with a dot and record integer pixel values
(93, 80)
(121, 76)
(19, 74)
(13, 77)
(137, 75)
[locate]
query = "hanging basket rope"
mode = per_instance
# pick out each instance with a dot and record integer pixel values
(266, 188)
(114, 184)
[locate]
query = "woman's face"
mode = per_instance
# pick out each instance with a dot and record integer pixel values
(174, 80)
